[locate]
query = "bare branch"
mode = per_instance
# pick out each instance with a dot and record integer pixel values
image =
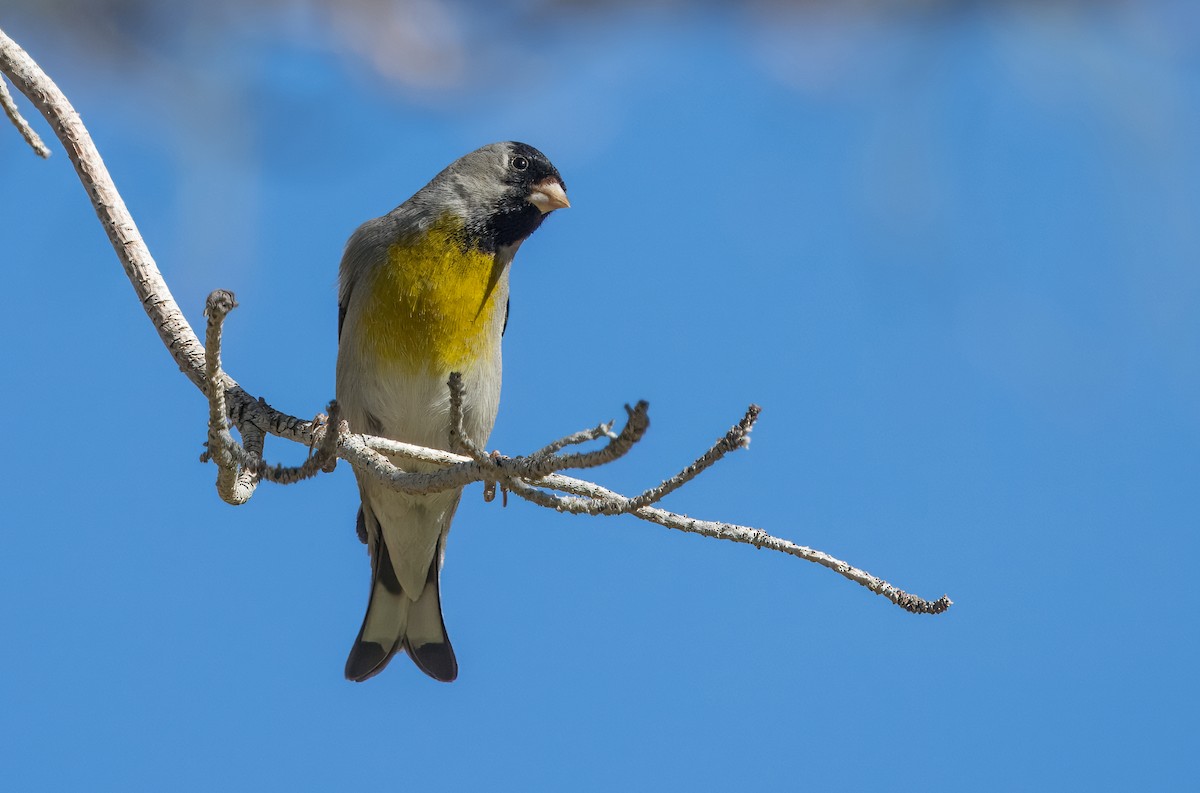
(738, 437)
(636, 424)
(614, 504)
(594, 499)
(234, 486)
(253, 440)
(14, 115)
(459, 439)
(576, 438)
(241, 467)
(322, 453)
(751, 536)
(364, 453)
(130, 248)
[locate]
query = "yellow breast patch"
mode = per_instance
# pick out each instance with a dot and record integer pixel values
(432, 304)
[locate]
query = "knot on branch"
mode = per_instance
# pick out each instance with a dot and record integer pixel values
(218, 305)
(916, 605)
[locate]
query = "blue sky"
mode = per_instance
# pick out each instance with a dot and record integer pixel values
(952, 256)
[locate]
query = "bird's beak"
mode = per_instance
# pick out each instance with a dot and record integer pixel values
(548, 195)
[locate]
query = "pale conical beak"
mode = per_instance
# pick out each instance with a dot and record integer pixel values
(548, 195)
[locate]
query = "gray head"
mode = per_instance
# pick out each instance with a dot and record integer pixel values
(502, 193)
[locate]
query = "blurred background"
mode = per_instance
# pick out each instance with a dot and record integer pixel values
(950, 247)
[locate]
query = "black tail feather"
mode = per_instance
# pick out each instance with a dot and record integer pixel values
(369, 658)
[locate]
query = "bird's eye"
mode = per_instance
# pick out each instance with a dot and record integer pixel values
(520, 163)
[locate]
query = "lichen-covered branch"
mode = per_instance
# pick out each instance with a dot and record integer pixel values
(535, 477)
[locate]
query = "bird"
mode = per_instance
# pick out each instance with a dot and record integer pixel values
(423, 292)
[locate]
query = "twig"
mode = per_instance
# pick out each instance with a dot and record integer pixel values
(636, 424)
(614, 504)
(574, 439)
(360, 452)
(751, 536)
(760, 539)
(14, 115)
(738, 437)
(589, 494)
(322, 454)
(460, 440)
(253, 440)
(236, 480)
(239, 468)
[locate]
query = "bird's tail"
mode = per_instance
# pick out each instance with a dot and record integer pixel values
(395, 622)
